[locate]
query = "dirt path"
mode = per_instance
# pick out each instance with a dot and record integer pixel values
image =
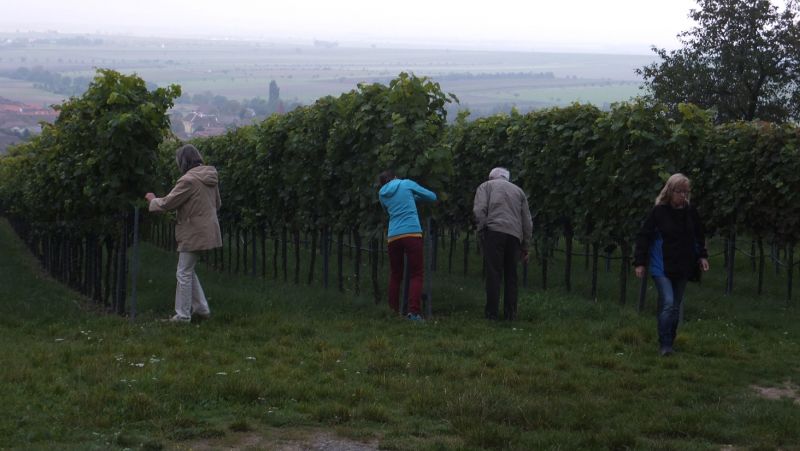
(281, 440)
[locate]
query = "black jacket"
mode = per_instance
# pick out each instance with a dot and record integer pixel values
(683, 239)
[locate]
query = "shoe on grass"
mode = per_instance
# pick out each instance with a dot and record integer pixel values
(415, 317)
(179, 319)
(666, 351)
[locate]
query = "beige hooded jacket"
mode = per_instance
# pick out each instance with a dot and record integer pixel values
(196, 199)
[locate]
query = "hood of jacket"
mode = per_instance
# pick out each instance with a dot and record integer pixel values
(205, 174)
(388, 190)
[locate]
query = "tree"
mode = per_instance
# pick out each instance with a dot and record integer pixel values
(274, 104)
(742, 59)
(274, 92)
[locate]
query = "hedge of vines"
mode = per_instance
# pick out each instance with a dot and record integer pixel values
(590, 175)
(70, 191)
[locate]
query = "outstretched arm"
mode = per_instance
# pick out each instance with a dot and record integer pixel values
(421, 193)
(179, 194)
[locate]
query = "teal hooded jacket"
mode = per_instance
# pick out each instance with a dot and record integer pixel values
(399, 198)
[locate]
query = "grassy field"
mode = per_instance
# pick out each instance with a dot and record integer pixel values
(24, 91)
(280, 365)
(597, 95)
(243, 69)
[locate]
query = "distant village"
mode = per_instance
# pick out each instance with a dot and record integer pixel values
(197, 121)
(190, 118)
(200, 115)
(20, 121)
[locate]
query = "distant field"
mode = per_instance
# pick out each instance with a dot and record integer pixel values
(23, 91)
(240, 69)
(597, 95)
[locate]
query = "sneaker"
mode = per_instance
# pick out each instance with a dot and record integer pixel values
(179, 319)
(415, 317)
(665, 351)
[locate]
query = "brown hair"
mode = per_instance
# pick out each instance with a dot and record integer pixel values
(385, 177)
(188, 157)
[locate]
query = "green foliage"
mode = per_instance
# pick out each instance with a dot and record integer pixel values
(625, 171)
(742, 59)
(477, 147)
(557, 144)
(589, 174)
(236, 175)
(107, 139)
(316, 165)
(101, 153)
(302, 171)
(753, 179)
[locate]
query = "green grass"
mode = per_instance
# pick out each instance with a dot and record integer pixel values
(569, 374)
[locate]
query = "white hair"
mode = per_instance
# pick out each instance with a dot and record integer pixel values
(498, 173)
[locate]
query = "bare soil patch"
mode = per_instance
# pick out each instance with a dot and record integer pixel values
(788, 390)
(280, 440)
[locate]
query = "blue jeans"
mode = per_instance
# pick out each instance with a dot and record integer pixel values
(670, 296)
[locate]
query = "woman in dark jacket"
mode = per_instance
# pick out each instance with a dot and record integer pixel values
(672, 242)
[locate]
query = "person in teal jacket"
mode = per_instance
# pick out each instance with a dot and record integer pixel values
(399, 197)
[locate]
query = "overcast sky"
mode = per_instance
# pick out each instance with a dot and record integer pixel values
(629, 26)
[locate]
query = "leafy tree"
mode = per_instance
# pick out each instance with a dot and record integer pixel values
(274, 103)
(742, 58)
(274, 93)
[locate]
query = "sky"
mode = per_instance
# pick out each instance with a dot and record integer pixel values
(596, 26)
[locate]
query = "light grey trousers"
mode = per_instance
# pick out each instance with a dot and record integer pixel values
(189, 296)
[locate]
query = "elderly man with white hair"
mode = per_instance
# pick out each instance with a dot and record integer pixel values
(505, 225)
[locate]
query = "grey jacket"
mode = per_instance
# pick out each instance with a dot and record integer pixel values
(501, 206)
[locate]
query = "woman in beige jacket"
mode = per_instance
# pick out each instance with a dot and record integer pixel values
(196, 199)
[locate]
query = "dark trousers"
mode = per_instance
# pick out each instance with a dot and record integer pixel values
(411, 248)
(501, 252)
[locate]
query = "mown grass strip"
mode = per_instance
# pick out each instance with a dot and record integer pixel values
(569, 374)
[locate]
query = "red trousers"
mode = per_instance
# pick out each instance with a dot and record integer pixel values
(411, 248)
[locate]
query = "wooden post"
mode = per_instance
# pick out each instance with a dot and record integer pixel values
(643, 292)
(623, 273)
(789, 273)
(135, 263)
(731, 262)
(595, 258)
(430, 247)
(568, 258)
